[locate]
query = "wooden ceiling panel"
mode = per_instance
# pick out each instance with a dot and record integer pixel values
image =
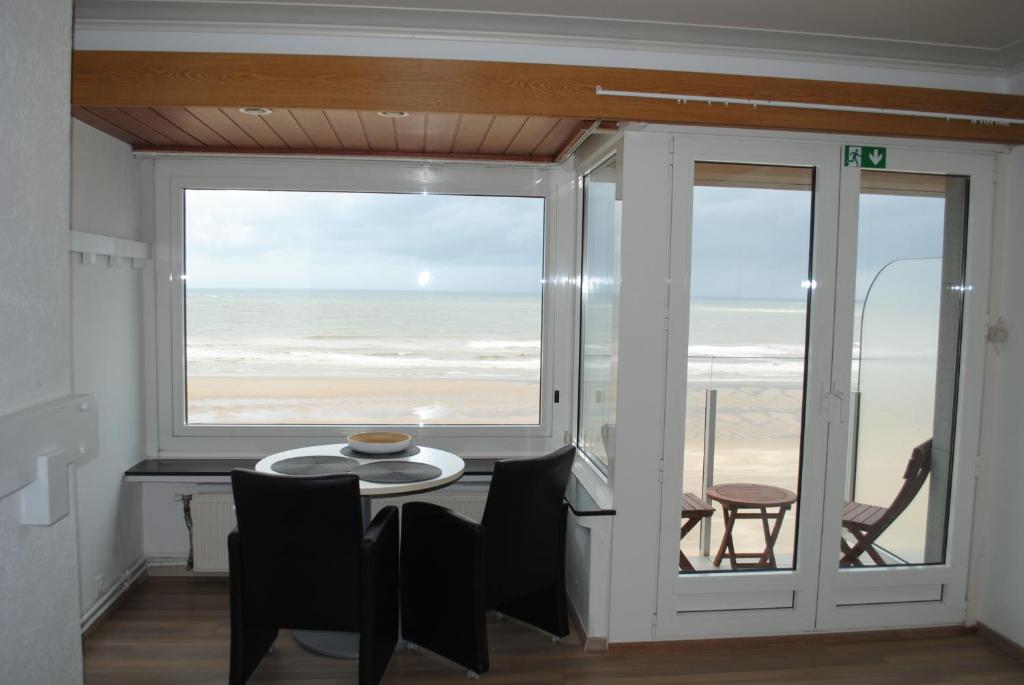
(380, 132)
(500, 136)
(157, 122)
(125, 121)
(287, 129)
(530, 136)
(349, 128)
(257, 129)
(441, 130)
(411, 131)
(190, 124)
(87, 117)
(556, 139)
(223, 127)
(126, 78)
(315, 124)
(471, 132)
(333, 131)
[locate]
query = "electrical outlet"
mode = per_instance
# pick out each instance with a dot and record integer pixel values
(101, 584)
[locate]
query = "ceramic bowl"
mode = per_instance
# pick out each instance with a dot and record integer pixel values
(382, 442)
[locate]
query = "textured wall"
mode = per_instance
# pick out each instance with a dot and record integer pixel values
(106, 307)
(39, 631)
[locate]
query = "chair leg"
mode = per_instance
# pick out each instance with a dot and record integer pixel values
(546, 609)
(846, 559)
(688, 525)
(248, 643)
(865, 545)
(867, 541)
(684, 563)
(379, 605)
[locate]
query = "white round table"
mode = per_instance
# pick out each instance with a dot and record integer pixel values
(342, 644)
(452, 468)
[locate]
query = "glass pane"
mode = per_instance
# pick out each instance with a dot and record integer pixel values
(747, 358)
(362, 308)
(909, 300)
(599, 320)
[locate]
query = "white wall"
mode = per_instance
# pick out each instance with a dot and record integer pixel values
(1001, 505)
(106, 306)
(39, 631)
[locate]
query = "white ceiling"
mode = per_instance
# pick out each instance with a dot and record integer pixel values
(980, 33)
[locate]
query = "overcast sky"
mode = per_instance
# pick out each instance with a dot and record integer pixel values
(754, 243)
(748, 243)
(366, 241)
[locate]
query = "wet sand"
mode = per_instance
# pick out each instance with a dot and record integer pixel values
(331, 400)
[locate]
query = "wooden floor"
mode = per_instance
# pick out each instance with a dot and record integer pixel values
(175, 630)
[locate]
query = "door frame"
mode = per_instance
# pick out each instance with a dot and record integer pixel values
(820, 608)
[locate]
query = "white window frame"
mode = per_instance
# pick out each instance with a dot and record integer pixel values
(587, 163)
(173, 175)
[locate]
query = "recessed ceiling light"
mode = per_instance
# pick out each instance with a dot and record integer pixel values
(256, 111)
(393, 115)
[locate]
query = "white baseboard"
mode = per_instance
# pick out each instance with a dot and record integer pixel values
(103, 604)
(159, 560)
(591, 643)
(175, 565)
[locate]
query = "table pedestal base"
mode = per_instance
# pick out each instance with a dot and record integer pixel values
(340, 645)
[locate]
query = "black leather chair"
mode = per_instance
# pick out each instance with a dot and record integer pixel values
(299, 559)
(454, 570)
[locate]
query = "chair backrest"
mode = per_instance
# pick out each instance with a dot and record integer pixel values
(524, 523)
(918, 467)
(300, 542)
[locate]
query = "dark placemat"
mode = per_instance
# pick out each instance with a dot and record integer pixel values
(314, 465)
(407, 452)
(396, 472)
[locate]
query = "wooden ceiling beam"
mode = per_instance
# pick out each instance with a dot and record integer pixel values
(150, 79)
(317, 152)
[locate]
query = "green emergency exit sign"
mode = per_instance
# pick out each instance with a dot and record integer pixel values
(864, 156)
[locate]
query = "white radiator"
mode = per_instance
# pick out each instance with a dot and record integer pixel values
(468, 500)
(213, 517)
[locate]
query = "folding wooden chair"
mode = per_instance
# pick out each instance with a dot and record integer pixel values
(694, 511)
(867, 522)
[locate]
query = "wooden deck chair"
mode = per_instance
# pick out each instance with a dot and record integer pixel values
(867, 522)
(694, 511)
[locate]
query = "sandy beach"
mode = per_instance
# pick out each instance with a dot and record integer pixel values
(354, 401)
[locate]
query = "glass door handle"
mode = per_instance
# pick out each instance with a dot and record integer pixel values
(834, 401)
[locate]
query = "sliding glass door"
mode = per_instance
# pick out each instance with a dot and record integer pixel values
(818, 473)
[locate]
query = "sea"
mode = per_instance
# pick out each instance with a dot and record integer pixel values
(367, 334)
(363, 334)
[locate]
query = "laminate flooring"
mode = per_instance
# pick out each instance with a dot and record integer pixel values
(171, 630)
